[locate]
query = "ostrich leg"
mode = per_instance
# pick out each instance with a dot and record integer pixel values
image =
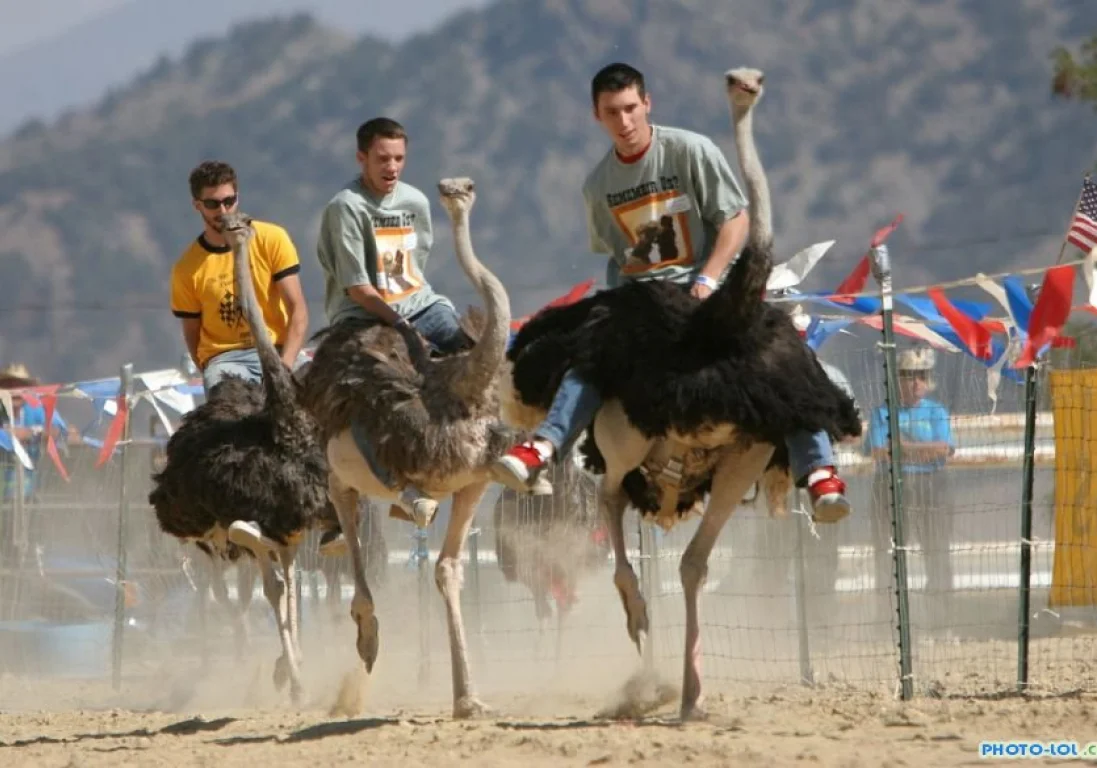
(733, 476)
(286, 557)
(362, 609)
(447, 576)
(624, 449)
(274, 588)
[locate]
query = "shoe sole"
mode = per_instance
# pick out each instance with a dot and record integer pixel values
(830, 513)
(505, 473)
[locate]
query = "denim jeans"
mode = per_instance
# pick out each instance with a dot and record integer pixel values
(576, 402)
(573, 409)
(441, 327)
(238, 362)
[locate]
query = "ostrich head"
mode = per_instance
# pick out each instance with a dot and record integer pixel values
(237, 228)
(744, 86)
(458, 196)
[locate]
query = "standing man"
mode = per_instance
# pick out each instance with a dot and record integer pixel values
(202, 295)
(925, 439)
(663, 205)
(375, 240)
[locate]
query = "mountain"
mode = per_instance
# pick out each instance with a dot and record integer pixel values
(66, 69)
(939, 109)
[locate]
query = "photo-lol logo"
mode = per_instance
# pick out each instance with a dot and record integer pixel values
(1019, 750)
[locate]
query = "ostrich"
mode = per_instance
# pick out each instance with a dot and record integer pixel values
(547, 542)
(245, 472)
(697, 396)
(434, 422)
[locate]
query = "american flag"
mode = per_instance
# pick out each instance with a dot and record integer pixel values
(1083, 226)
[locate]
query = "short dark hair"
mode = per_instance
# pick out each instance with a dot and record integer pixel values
(211, 173)
(614, 78)
(379, 127)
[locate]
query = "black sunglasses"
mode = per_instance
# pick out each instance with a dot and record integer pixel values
(213, 204)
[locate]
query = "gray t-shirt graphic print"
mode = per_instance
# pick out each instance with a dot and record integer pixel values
(657, 217)
(384, 243)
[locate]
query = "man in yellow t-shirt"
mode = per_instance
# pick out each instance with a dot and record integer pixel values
(202, 294)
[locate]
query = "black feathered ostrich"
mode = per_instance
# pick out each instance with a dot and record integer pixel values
(245, 472)
(698, 396)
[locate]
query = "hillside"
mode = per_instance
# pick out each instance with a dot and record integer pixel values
(939, 109)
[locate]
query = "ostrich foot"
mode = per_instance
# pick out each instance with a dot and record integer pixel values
(693, 713)
(283, 673)
(636, 609)
(470, 707)
(361, 610)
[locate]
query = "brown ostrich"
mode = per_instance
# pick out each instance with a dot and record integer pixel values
(434, 423)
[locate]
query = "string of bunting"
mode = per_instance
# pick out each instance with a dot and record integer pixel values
(956, 325)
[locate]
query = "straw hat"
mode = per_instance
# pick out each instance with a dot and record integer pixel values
(14, 376)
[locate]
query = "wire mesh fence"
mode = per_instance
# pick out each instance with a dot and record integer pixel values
(785, 600)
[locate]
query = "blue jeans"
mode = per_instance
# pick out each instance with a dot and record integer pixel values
(438, 324)
(441, 326)
(238, 362)
(576, 403)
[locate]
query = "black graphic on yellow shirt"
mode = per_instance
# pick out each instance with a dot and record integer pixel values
(656, 226)
(229, 309)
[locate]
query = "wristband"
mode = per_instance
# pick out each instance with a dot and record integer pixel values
(706, 281)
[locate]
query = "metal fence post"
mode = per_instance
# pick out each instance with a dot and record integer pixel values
(881, 270)
(1027, 482)
(125, 391)
(422, 557)
(807, 676)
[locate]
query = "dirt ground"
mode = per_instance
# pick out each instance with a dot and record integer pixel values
(231, 716)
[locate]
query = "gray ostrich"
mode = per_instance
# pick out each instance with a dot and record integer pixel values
(435, 422)
(245, 472)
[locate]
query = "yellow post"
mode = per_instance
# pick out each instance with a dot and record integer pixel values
(1074, 406)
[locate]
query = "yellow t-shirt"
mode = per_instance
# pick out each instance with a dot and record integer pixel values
(202, 287)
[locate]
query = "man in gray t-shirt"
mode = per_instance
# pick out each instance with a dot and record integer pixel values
(662, 204)
(375, 239)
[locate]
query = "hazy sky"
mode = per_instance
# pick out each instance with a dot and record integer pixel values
(29, 23)
(57, 54)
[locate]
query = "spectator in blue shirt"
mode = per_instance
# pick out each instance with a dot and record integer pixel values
(28, 424)
(925, 438)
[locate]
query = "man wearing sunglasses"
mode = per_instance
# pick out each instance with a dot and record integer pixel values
(202, 293)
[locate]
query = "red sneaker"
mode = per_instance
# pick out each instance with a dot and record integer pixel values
(828, 495)
(520, 467)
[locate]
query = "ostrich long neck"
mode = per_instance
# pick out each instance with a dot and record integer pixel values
(484, 360)
(276, 378)
(754, 176)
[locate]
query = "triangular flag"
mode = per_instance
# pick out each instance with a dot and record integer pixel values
(975, 337)
(577, 292)
(1050, 313)
(854, 282)
(49, 402)
(114, 432)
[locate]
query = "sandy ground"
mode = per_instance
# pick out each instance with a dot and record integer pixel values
(825, 727)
